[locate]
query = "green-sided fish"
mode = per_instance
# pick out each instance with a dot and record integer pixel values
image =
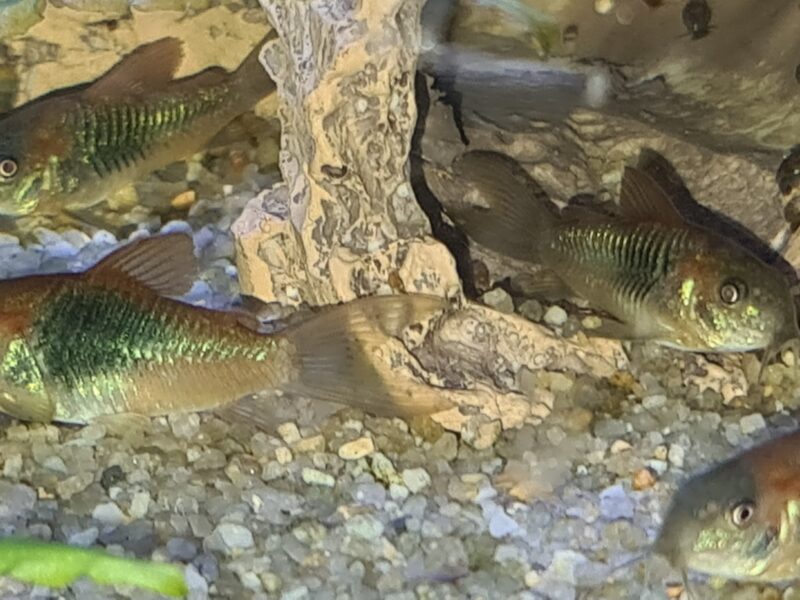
(72, 148)
(110, 340)
(660, 277)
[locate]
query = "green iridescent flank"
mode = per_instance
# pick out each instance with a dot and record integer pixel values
(687, 289)
(111, 137)
(19, 367)
(711, 539)
(94, 339)
(635, 259)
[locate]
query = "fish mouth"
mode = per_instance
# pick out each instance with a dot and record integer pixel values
(24, 200)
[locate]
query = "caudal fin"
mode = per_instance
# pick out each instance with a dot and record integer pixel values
(252, 78)
(335, 357)
(518, 212)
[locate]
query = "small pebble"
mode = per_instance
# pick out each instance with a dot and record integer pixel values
(643, 479)
(364, 526)
(661, 452)
(229, 537)
(603, 7)
(498, 299)
(356, 449)
(555, 316)
(676, 455)
(289, 432)
(616, 504)
(618, 446)
(111, 476)
(139, 505)
(309, 445)
(283, 455)
(184, 200)
(416, 480)
(502, 525)
(108, 514)
(317, 477)
(753, 423)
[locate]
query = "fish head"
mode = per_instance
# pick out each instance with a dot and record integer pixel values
(28, 157)
(725, 299)
(716, 525)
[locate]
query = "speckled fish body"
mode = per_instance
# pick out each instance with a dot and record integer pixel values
(741, 519)
(110, 341)
(74, 147)
(659, 277)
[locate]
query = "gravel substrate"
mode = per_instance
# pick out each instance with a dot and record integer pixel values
(351, 506)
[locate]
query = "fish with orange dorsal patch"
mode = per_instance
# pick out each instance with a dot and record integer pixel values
(114, 340)
(740, 519)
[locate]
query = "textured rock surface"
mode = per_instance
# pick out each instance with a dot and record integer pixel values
(564, 451)
(716, 90)
(347, 111)
(72, 45)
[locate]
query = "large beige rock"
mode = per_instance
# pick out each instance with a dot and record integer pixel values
(347, 110)
(344, 222)
(74, 44)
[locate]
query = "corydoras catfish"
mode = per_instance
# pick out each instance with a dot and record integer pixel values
(70, 149)
(740, 519)
(659, 276)
(114, 340)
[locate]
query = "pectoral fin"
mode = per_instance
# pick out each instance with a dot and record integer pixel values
(25, 405)
(610, 328)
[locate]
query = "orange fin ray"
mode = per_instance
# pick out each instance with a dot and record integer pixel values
(165, 263)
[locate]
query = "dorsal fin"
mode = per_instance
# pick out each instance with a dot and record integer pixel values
(149, 68)
(166, 264)
(642, 199)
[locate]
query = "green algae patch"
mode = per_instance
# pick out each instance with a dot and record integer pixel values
(58, 565)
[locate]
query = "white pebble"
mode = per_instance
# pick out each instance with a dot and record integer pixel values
(604, 7)
(198, 586)
(416, 480)
(230, 537)
(501, 525)
(498, 299)
(555, 316)
(176, 226)
(398, 492)
(108, 514)
(317, 477)
(289, 432)
(283, 455)
(616, 504)
(676, 455)
(139, 505)
(753, 423)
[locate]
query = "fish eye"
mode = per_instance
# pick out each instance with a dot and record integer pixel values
(732, 291)
(742, 513)
(8, 168)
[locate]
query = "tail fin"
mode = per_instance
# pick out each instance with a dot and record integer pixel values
(519, 210)
(251, 77)
(334, 357)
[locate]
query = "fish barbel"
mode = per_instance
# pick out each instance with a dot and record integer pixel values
(741, 519)
(113, 340)
(659, 276)
(70, 149)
